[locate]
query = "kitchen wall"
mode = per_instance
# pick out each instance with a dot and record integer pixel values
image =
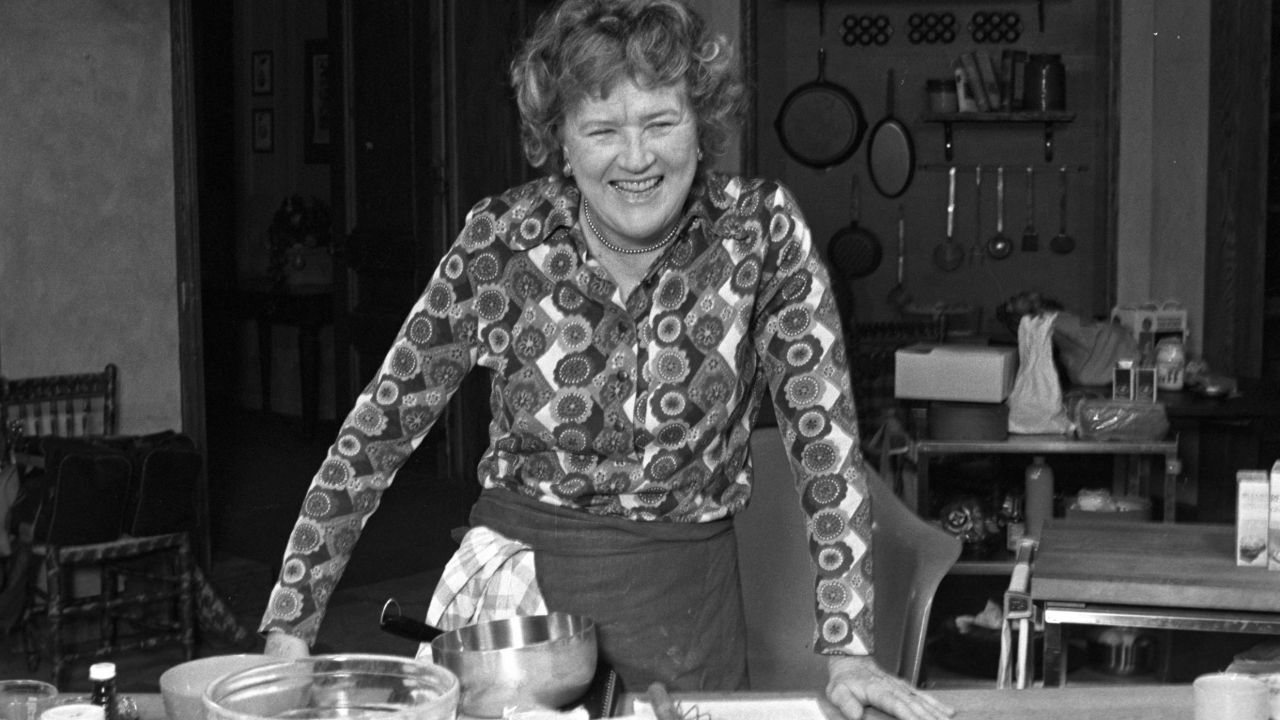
(1139, 235)
(87, 256)
(788, 58)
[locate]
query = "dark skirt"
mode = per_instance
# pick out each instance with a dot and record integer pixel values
(665, 597)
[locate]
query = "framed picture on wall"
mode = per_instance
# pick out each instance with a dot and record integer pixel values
(263, 130)
(317, 120)
(261, 73)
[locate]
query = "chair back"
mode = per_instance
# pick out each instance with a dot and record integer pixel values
(910, 557)
(85, 494)
(58, 405)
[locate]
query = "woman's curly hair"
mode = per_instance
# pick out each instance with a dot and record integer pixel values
(583, 48)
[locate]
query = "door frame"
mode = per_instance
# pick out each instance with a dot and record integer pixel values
(187, 245)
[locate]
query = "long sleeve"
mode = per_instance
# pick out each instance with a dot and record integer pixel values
(427, 362)
(801, 345)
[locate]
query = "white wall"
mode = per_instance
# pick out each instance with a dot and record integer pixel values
(87, 237)
(1162, 181)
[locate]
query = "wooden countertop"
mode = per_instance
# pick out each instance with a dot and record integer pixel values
(1176, 565)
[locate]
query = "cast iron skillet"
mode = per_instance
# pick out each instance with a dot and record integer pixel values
(821, 123)
(891, 154)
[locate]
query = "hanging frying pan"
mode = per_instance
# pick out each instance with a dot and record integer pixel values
(821, 123)
(854, 250)
(891, 155)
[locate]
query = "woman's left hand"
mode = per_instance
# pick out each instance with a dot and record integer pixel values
(856, 683)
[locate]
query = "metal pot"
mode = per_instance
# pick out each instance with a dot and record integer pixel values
(1122, 651)
(535, 661)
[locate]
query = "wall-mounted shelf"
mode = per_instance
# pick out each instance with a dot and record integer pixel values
(1047, 119)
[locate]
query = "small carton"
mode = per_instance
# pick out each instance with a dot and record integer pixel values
(1273, 524)
(1144, 384)
(1253, 503)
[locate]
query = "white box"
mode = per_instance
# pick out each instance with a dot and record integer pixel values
(1253, 504)
(963, 373)
(1273, 524)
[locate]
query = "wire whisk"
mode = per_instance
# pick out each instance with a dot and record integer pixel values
(692, 712)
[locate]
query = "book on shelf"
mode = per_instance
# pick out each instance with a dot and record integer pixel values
(964, 93)
(990, 80)
(973, 76)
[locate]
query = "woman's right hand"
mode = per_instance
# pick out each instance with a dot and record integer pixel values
(285, 646)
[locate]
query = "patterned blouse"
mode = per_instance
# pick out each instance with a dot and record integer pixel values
(639, 407)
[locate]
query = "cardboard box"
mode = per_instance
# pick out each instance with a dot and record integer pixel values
(963, 373)
(1273, 523)
(1253, 504)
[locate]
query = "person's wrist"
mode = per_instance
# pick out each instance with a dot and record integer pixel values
(283, 645)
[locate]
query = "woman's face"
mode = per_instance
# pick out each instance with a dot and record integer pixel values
(634, 155)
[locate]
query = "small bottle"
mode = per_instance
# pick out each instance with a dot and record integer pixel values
(103, 676)
(1015, 522)
(1039, 489)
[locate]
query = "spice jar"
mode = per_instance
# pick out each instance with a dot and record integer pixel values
(1046, 84)
(942, 95)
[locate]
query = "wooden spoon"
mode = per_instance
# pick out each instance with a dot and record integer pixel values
(999, 246)
(1062, 243)
(948, 254)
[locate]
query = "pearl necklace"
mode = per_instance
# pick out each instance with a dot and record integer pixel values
(586, 213)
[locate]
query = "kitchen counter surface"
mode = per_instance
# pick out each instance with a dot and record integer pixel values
(1121, 702)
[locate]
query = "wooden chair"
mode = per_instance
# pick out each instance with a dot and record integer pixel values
(55, 405)
(910, 557)
(138, 589)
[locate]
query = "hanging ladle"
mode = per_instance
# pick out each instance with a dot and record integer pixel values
(1062, 243)
(948, 254)
(999, 246)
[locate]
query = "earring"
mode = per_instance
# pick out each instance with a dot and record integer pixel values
(568, 169)
(699, 154)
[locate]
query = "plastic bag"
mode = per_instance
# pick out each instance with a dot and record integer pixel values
(1102, 419)
(1035, 405)
(1089, 350)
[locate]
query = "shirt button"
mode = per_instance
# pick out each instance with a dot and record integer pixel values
(624, 376)
(619, 425)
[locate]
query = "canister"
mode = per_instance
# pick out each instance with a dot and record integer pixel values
(1171, 362)
(1046, 82)
(942, 95)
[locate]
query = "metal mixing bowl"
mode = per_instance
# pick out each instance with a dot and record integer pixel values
(375, 687)
(537, 661)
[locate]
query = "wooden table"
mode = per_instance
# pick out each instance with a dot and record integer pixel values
(309, 308)
(1147, 575)
(1138, 702)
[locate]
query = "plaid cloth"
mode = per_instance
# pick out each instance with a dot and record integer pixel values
(490, 577)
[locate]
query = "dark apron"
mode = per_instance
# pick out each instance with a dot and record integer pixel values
(665, 596)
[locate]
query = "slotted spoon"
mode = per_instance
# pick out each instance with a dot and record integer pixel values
(1031, 237)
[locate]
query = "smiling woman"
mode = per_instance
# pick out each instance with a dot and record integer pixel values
(632, 309)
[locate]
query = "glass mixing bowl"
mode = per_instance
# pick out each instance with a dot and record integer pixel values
(381, 687)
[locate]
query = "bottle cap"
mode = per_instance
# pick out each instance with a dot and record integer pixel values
(102, 671)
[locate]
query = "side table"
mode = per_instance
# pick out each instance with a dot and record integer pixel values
(309, 308)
